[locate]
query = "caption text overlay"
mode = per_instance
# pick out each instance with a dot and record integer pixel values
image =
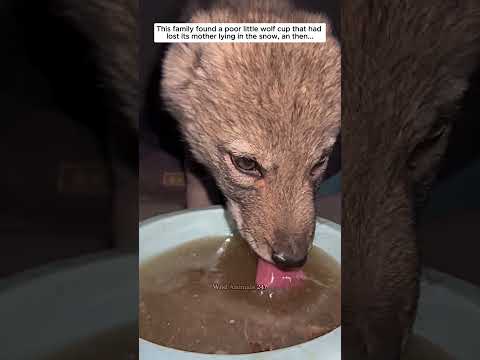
(239, 32)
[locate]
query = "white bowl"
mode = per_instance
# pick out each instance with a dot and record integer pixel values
(167, 231)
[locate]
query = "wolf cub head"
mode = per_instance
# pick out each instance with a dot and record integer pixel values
(263, 119)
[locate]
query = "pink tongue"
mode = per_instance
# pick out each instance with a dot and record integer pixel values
(269, 276)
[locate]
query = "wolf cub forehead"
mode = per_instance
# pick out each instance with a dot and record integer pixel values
(262, 89)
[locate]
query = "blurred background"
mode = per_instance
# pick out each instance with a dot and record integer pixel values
(449, 225)
(55, 187)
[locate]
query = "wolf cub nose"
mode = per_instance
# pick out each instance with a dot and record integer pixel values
(288, 262)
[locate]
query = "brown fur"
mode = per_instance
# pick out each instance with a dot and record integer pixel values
(111, 29)
(404, 64)
(277, 102)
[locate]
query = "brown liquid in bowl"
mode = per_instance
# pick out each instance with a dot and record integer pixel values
(201, 297)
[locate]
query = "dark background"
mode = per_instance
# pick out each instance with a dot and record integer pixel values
(449, 224)
(55, 186)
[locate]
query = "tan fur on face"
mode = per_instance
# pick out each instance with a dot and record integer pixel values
(279, 103)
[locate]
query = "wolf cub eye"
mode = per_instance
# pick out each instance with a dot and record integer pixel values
(318, 168)
(246, 165)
